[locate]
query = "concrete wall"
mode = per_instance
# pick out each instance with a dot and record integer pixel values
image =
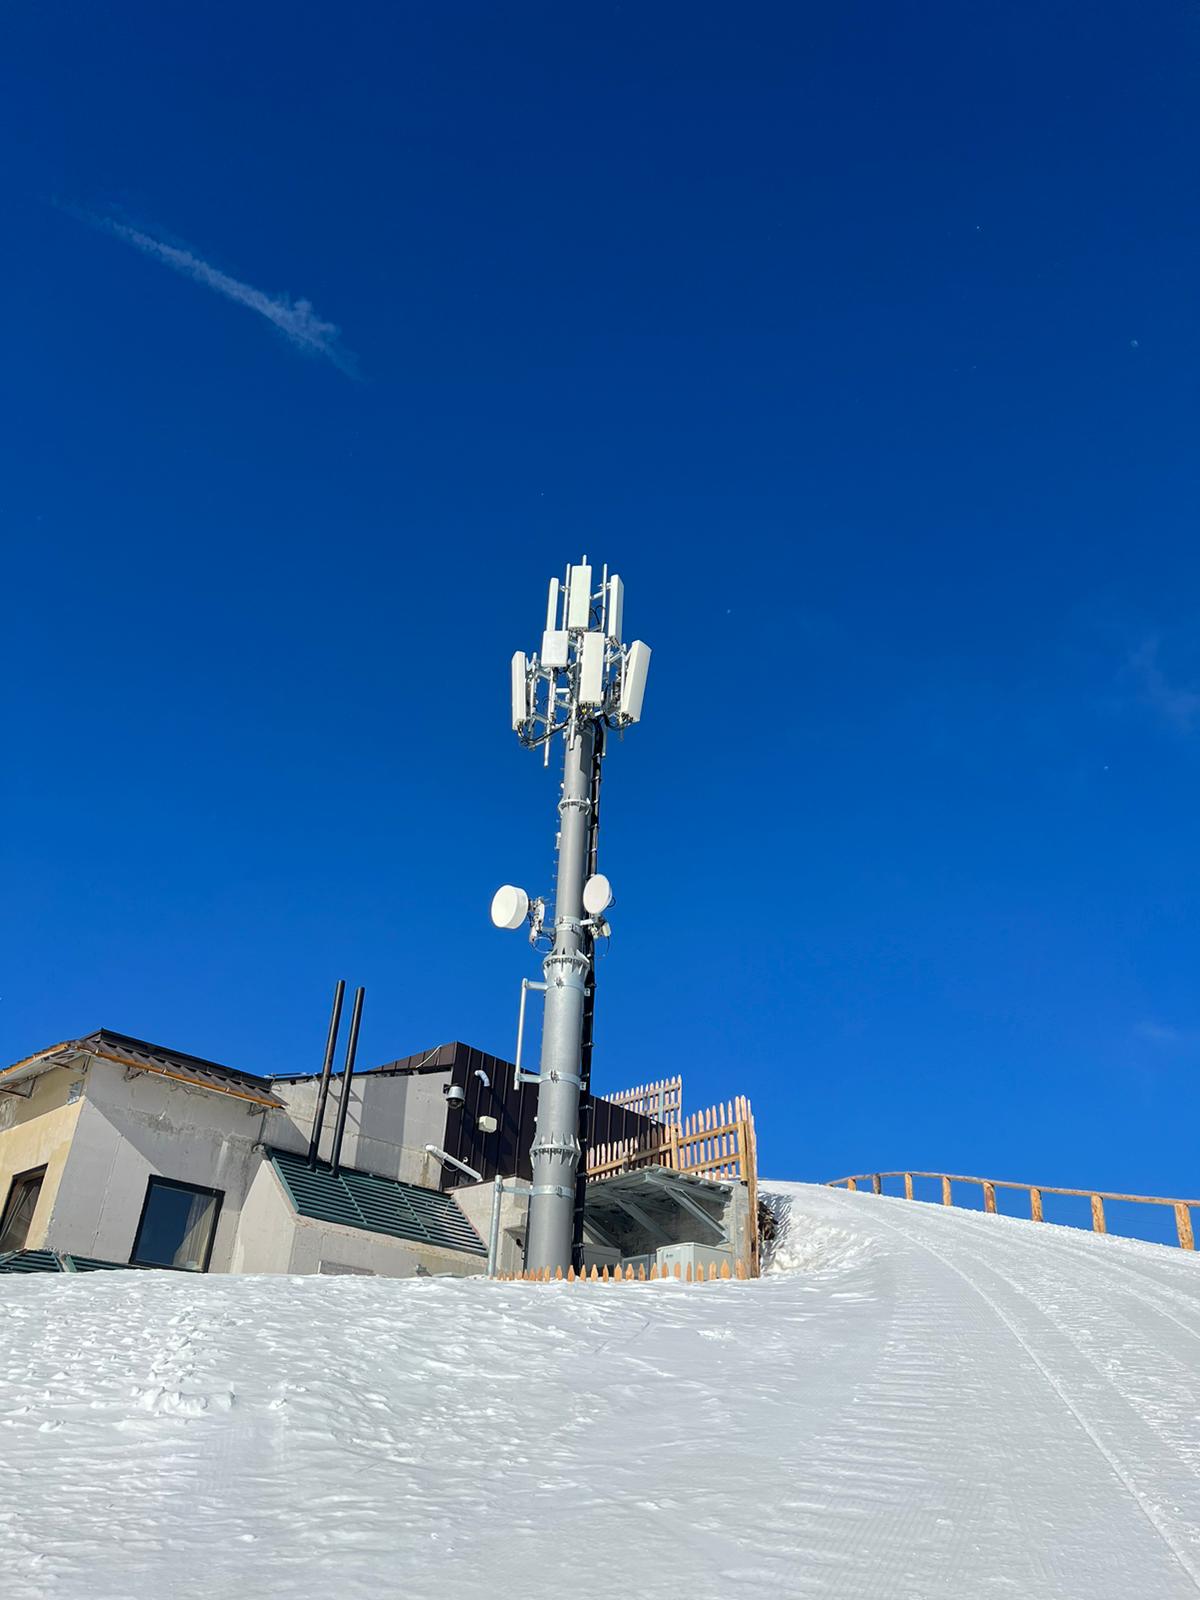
(476, 1200)
(37, 1132)
(741, 1226)
(103, 1134)
(272, 1238)
(266, 1225)
(130, 1129)
(390, 1120)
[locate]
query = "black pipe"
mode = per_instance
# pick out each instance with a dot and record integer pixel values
(335, 1155)
(323, 1091)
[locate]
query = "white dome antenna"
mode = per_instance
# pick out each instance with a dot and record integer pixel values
(597, 894)
(510, 906)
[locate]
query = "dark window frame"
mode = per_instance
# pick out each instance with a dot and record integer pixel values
(188, 1188)
(22, 1177)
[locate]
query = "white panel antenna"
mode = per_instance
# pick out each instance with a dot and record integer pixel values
(552, 606)
(520, 690)
(591, 670)
(556, 644)
(579, 597)
(633, 681)
(616, 605)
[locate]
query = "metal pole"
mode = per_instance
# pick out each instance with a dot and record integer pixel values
(589, 1017)
(323, 1092)
(494, 1234)
(555, 1152)
(335, 1155)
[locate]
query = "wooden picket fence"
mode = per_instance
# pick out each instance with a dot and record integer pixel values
(617, 1275)
(717, 1143)
(1183, 1216)
(662, 1101)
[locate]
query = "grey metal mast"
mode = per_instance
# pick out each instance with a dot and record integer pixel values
(555, 1153)
(583, 679)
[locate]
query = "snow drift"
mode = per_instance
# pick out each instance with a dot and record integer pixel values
(915, 1402)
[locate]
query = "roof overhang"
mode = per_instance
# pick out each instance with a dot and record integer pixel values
(656, 1202)
(18, 1079)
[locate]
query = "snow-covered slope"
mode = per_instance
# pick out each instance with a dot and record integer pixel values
(915, 1403)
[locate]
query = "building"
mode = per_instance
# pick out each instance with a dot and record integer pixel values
(117, 1152)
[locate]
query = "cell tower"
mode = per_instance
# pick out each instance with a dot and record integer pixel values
(584, 682)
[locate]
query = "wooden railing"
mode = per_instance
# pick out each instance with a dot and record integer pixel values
(662, 1101)
(718, 1143)
(1183, 1216)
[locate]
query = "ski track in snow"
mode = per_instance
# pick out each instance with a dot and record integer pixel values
(915, 1403)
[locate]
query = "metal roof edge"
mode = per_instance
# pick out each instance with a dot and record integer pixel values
(40, 1055)
(419, 1061)
(103, 1044)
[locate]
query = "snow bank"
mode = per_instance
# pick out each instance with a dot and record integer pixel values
(913, 1403)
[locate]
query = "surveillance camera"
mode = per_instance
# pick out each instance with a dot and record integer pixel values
(455, 1096)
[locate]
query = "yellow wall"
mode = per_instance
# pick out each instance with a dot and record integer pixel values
(37, 1133)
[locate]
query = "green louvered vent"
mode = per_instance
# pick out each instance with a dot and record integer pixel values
(48, 1261)
(30, 1261)
(382, 1205)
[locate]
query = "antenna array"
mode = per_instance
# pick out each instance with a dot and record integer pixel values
(583, 681)
(583, 669)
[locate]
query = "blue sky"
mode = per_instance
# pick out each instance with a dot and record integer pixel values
(862, 341)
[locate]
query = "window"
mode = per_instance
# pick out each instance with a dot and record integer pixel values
(177, 1226)
(19, 1208)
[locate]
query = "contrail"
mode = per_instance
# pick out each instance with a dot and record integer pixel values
(295, 319)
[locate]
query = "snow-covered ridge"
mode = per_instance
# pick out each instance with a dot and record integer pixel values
(914, 1402)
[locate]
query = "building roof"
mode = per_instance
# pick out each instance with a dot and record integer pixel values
(441, 1057)
(138, 1055)
(660, 1204)
(379, 1205)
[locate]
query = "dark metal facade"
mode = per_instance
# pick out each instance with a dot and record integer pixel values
(505, 1153)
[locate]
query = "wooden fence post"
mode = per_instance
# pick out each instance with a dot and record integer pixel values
(988, 1186)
